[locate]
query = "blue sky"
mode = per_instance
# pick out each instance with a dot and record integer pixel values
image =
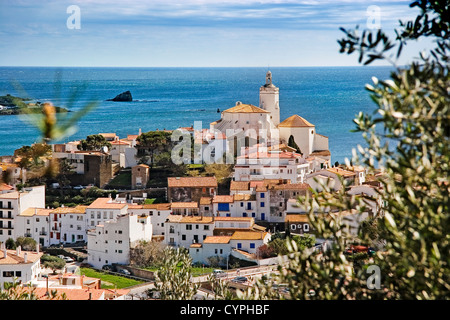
(190, 33)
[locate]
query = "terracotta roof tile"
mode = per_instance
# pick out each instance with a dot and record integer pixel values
(178, 205)
(196, 219)
(223, 199)
(240, 185)
(205, 200)
(192, 182)
(248, 235)
(246, 108)
(342, 172)
(35, 211)
(217, 239)
(13, 258)
(66, 210)
(106, 203)
(295, 121)
(157, 206)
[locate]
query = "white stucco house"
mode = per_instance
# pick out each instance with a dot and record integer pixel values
(14, 203)
(110, 242)
(19, 265)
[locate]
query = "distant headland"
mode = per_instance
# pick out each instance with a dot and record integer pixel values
(11, 105)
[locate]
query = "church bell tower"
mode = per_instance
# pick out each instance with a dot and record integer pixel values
(269, 99)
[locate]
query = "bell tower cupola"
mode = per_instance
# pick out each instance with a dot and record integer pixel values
(269, 99)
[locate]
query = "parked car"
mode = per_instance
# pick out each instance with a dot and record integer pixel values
(240, 279)
(219, 273)
(79, 187)
(68, 259)
(125, 271)
(357, 249)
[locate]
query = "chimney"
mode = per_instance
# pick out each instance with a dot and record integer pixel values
(37, 248)
(25, 257)
(4, 253)
(18, 250)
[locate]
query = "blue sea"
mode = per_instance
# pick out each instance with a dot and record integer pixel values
(167, 98)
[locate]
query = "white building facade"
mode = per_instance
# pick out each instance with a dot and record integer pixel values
(110, 242)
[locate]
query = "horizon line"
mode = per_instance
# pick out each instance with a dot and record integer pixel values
(155, 67)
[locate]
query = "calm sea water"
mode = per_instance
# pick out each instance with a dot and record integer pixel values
(167, 98)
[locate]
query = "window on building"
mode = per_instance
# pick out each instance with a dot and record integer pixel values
(7, 274)
(262, 204)
(252, 246)
(189, 227)
(239, 245)
(183, 237)
(224, 206)
(262, 195)
(205, 227)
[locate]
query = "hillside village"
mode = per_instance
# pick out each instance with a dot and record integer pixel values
(139, 195)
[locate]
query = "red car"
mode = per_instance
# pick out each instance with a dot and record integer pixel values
(356, 249)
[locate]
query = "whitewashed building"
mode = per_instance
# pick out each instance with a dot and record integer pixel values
(158, 213)
(110, 241)
(68, 225)
(182, 231)
(25, 266)
(104, 209)
(34, 223)
(14, 203)
(271, 165)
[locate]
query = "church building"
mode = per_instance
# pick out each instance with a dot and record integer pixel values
(243, 117)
